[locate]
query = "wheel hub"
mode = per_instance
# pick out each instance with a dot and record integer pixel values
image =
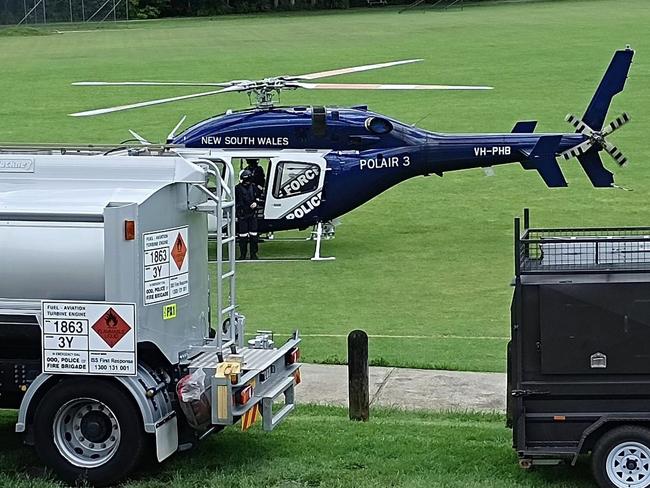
(86, 432)
(628, 465)
(95, 427)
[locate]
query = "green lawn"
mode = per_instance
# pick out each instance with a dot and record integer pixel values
(319, 447)
(430, 259)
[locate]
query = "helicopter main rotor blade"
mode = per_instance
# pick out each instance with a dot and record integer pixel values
(378, 86)
(149, 103)
(353, 69)
(148, 83)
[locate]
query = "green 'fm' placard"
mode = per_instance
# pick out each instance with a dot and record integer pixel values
(169, 311)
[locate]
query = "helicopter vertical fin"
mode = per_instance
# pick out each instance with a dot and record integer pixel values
(591, 163)
(612, 83)
(524, 127)
(542, 159)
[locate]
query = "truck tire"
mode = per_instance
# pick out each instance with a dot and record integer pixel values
(621, 458)
(89, 430)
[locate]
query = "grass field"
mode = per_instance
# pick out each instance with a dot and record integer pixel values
(319, 447)
(427, 265)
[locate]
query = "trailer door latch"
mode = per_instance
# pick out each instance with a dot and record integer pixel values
(521, 393)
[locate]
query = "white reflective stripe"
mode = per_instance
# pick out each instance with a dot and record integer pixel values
(243, 235)
(252, 233)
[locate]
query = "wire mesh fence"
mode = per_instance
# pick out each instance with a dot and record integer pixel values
(33, 12)
(584, 250)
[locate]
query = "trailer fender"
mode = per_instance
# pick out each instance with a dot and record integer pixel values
(149, 393)
(613, 420)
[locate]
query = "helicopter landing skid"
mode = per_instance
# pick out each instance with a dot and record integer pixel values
(329, 233)
(321, 231)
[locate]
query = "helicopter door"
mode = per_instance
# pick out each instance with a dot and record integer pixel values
(294, 186)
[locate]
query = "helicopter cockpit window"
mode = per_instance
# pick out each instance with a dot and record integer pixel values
(294, 178)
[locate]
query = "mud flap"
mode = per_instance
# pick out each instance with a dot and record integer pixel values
(166, 437)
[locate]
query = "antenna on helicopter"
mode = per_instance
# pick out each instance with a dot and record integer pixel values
(171, 135)
(264, 92)
(139, 138)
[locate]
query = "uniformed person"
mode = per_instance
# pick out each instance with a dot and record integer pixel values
(258, 178)
(246, 200)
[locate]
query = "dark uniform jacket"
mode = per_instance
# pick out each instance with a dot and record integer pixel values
(245, 195)
(258, 175)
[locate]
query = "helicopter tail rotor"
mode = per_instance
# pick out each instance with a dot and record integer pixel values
(592, 122)
(587, 152)
(596, 139)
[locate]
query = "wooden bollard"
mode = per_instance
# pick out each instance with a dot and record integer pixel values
(359, 395)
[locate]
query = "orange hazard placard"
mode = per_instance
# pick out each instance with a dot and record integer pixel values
(111, 327)
(179, 250)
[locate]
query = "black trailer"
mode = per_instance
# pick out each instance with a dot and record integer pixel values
(579, 354)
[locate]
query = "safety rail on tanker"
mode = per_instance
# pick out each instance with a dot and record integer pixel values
(52, 149)
(580, 250)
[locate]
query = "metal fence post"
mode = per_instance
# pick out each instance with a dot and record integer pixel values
(526, 219)
(517, 247)
(359, 395)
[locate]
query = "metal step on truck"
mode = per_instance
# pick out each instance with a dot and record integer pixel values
(579, 355)
(113, 345)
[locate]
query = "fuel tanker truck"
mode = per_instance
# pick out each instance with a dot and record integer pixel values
(113, 345)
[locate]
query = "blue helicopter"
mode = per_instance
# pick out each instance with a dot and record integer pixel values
(323, 162)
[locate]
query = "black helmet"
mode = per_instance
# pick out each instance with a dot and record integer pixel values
(245, 175)
(252, 162)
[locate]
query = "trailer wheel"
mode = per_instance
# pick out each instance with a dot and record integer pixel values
(621, 458)
(89, 429)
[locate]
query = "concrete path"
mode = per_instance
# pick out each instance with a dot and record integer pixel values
(412, 389)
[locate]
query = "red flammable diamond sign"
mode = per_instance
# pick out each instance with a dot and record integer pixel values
(179, 251)
(111, 327)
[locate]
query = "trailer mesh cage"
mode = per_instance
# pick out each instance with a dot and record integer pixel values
(580, 250)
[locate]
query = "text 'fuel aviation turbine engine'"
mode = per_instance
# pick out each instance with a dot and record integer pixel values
(325, 161)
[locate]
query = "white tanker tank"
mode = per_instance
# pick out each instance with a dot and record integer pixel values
(52, 227)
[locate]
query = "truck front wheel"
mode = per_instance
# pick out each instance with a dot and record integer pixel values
(89, 430)
(621, 458)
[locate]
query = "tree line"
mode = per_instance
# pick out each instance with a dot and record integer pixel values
(40, 11)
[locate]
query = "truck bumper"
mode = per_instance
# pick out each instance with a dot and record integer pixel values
(266, 376)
